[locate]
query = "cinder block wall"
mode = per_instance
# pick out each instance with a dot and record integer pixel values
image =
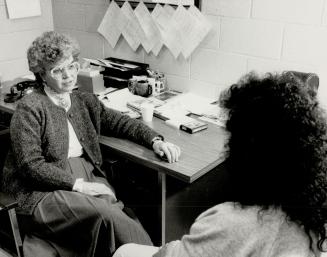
(16, 36)
(261, 35)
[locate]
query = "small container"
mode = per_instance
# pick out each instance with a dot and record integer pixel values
(140, 87)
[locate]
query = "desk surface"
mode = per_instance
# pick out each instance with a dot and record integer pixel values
(201, 151)
(7, 107)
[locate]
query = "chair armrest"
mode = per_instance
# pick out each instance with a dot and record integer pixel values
(4, 131)
(7, 202)
(310, 80)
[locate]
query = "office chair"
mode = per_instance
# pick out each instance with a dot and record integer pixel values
(10, 237)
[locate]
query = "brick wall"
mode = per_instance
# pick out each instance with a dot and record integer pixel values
(15, 37)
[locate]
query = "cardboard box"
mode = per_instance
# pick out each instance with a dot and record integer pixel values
(90, 82)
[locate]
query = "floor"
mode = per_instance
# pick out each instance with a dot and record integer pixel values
(4, 254)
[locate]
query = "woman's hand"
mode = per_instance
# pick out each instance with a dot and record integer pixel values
(171, 151)
(93, 188)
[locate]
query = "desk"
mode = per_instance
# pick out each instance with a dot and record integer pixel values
(7, 107)
(201, 153)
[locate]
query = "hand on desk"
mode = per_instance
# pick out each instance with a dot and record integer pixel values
(169, 150)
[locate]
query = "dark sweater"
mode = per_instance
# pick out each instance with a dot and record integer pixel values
(37, 162)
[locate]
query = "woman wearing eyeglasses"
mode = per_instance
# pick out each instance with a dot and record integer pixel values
(54, 167)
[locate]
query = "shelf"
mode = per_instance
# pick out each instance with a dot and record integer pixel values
(150, 4)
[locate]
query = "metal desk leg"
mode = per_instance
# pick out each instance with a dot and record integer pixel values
(16, 233)
(162, 188)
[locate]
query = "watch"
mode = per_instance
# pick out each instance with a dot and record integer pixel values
(157, 138)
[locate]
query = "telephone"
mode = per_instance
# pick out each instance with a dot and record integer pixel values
(20, 89)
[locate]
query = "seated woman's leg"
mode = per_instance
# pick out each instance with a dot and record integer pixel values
(82, 225)
(135, 250)
(36, 247)
(124, 224)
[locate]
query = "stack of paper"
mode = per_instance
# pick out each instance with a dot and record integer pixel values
(171, 110)
(135, 104)
(117, 100)
(196, 104)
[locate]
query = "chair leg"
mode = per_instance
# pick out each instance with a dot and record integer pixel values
(15, 229)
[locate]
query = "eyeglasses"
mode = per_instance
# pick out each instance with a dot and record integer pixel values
(57, 72)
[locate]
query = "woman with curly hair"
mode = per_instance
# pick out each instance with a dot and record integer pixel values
(65, 202)
(277, 158)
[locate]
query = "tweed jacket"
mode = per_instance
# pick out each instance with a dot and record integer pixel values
(37, 159)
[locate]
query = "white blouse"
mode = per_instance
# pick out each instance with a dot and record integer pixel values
(75, 149)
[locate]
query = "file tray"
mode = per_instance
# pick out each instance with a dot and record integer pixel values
(117, 71)
(124, 69)
(115, 82)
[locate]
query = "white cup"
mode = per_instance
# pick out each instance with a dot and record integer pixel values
(147, 111)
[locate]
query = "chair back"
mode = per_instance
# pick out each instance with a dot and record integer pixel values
(5, 144)
(310, 80)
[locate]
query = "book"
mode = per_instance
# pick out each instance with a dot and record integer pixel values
(136, 104)
(193, 126)
(187, 124)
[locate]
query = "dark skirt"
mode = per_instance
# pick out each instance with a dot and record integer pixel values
(74, 224)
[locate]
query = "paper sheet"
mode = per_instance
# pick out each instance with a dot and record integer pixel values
(149, 27)
(217, 122)
(159, 44)
(176, 122)
(23, 8)
(112, 24)
(192, 26)
(196, 104)
(167, 26)
(199, 32)
(180, 30)
(118, 99)
(187, 26)
(172, 110)
(132, 32)
(215, 115)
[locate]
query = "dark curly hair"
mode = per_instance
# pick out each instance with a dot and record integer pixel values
(277, 149)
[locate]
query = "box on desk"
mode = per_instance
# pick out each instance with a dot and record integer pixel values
(90, 81)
